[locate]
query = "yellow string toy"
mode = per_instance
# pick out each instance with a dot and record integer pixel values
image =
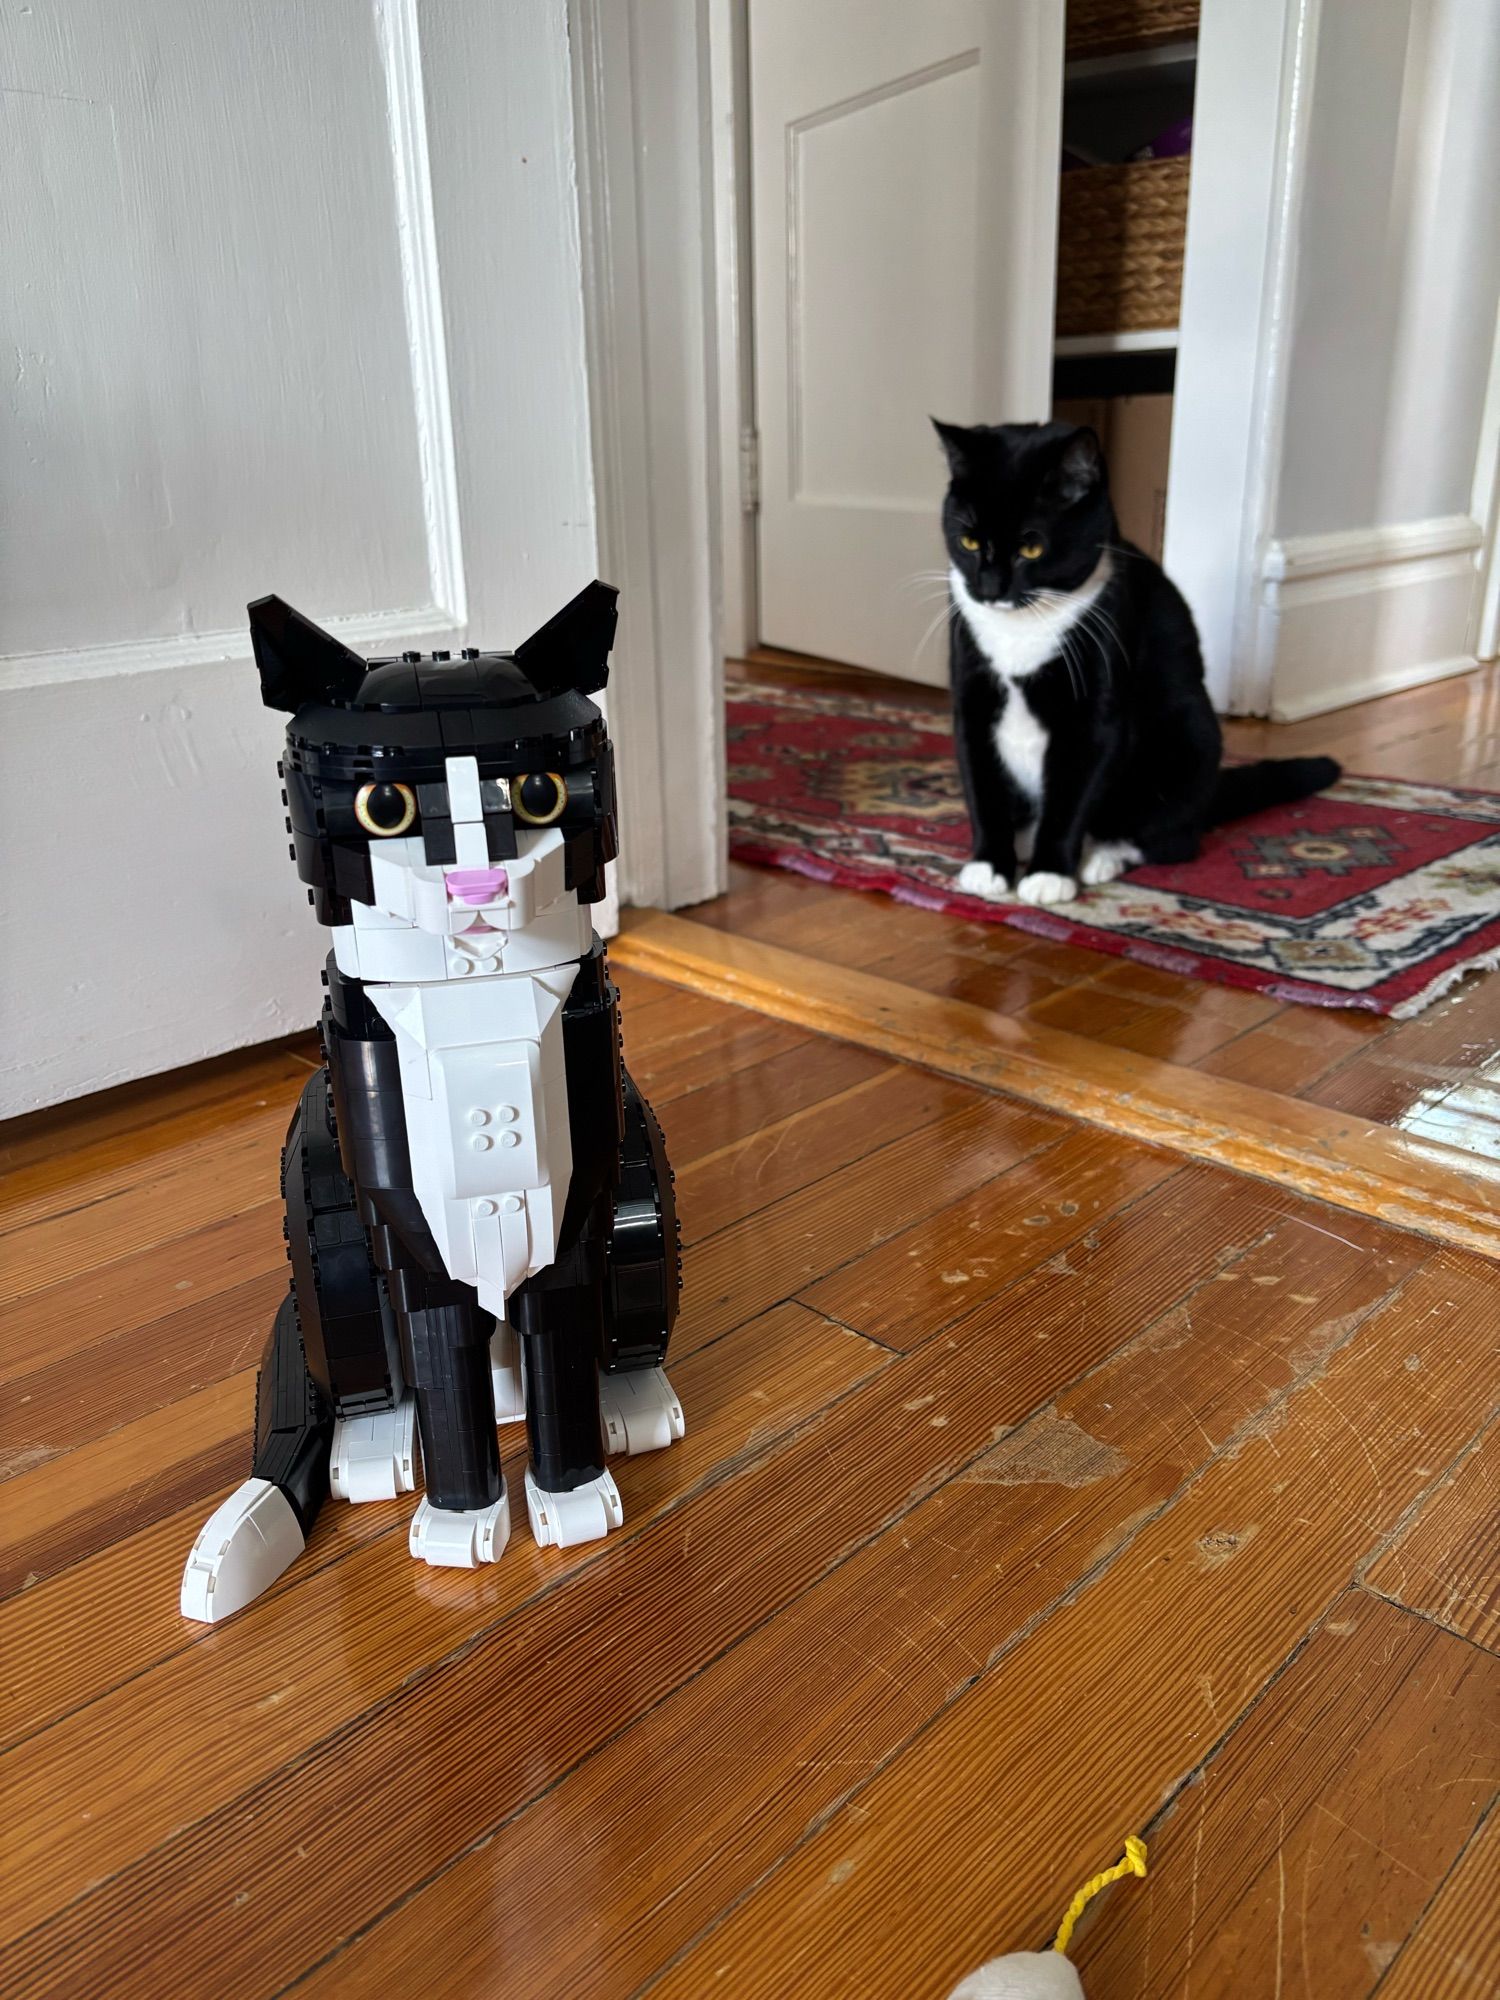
(1133, 1863)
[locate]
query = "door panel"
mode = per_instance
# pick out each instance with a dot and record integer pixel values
(875, 296)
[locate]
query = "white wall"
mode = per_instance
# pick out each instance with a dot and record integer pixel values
(297, 294)
(1369, 569)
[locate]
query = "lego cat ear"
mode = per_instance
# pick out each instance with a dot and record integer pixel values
(572, 649)
(298, 661)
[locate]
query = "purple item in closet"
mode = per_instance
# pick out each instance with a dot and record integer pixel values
(1170, 144)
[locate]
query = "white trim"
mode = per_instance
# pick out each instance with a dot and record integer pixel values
(365, 631)
(1251, 115)
(729, 110)
(640, 74)
(1143, 340)
(1485, 507)
(416, 234)
(1392, 681)
(1301, 556)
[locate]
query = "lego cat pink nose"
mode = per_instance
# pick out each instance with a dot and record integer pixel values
(475, 885)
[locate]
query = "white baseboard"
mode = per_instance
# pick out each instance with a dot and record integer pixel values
(1347, 616)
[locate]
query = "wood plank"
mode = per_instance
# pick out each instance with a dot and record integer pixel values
(790, 1153)
(96, 1495)
(354, 1675)
(129, 1293)
(40, 1148)
(1310, 1846)
(87, 1393)
(1455, 1954)
(918, 1283)
(1077, 1731)
(92, 1629)
(861, 1660)
(737, 1106)
(1330, 1155)
(969, 1142)
(1445, 1563)
(306, 1661)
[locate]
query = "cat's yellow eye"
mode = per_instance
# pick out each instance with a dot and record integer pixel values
(968, 542)
(385, 809)
(1029, 551)
(539, 799)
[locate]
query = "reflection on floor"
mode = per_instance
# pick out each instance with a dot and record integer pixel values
(1437, 1076)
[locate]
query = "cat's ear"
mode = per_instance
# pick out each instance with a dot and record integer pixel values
(956, 443)
(572, 649)
(298, 661)
(1081, 467)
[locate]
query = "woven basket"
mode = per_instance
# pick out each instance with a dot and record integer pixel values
(1119, 246)
(1106, 27)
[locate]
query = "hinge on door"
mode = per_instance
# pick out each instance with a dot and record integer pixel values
(750, 471)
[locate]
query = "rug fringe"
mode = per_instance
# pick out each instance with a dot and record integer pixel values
(1488, 961)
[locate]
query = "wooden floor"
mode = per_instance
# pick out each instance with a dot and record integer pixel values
(1040, 1486)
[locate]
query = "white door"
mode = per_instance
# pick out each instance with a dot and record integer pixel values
(904, 170)
(294, 294)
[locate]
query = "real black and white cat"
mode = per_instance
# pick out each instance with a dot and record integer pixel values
(479, 1213)
(1085, 738)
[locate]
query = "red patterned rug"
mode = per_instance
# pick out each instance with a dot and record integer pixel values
(1377, 894)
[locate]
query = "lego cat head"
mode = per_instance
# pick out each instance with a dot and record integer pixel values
(460, 799)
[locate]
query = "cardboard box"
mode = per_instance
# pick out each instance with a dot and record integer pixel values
(1136, 432)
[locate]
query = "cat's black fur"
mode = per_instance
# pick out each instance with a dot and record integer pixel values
(1133, 750)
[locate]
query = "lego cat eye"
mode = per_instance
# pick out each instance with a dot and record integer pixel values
(539, 799)
(385, 810)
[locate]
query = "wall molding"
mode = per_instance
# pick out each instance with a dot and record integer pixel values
(1301, 556)
(365, 631)
(645, 199)
(400, 38)
(1361, 612)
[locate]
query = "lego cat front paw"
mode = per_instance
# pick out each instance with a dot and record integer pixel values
(455, 1538)
(375, 1457)
(640, 1410)
(563, 1520)
(241, 1550)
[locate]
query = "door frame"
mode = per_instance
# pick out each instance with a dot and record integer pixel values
(648, 266)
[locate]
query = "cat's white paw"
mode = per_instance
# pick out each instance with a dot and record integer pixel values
(563, 1520)
(978, 878)
(1107, 860)
(1044, 888)
(640, 1410)
(450, 1538)
(375, 1457)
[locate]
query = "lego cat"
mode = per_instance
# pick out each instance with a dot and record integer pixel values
(480, 1218)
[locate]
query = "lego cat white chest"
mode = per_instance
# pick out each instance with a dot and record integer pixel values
(485, 1093)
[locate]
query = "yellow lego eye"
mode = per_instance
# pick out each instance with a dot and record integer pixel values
(968, 542)
(539, 799)
(1029, 551)
(385, 809)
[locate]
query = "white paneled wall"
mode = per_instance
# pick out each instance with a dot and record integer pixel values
(296, 293)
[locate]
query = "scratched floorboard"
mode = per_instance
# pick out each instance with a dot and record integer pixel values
(1038, 1488)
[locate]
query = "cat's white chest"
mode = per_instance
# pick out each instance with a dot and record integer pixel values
(1021, 744)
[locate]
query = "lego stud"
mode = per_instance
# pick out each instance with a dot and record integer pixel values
(475, 885)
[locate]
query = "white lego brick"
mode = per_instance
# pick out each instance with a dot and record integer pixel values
(346, 950)
(471, 844)
(392, 865)
(563, 1520)
(243, 1547)
(464, 801)
(375, 1457)
(449, 1539)
(507, 1375)
(640, 1410)
(396, 955)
